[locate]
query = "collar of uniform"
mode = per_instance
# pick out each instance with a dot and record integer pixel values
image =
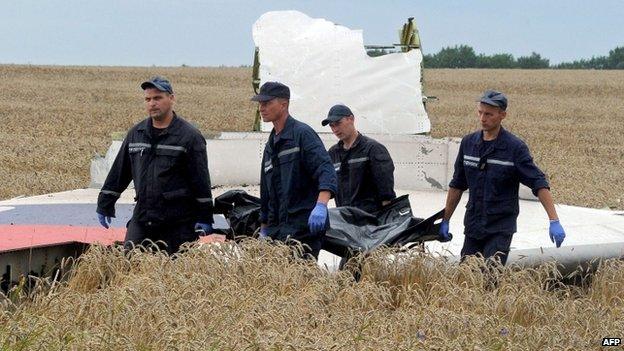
(173, 127)
(287, 132)
(355, 143)
(502, 136)
(500, 141)
(145, 124)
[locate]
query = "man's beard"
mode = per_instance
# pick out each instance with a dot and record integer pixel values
(160, 116)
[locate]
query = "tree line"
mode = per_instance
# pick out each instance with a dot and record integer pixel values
(464, 56)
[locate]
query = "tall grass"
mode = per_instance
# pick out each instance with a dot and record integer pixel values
(256, 296)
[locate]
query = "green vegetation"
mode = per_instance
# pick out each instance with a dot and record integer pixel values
(464, 56)
(615, 60)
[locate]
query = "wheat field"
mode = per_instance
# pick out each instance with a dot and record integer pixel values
(254, 296)
(55, 119)
(573, 122)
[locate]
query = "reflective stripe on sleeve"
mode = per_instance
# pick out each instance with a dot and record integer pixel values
(203, 199)
(499, 162)
(288, 151)
(110, 192)
(470, 163)
(138, 145)
(471, 158)
(358, 160)
(171, 147)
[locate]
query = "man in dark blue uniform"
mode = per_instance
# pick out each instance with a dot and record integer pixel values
(491, 163)
(364, 167)
(297, 178)
(166, 158)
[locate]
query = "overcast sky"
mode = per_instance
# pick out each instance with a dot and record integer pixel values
(212, 33)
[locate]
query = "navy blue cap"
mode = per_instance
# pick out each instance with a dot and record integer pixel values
(336, 113)
(494, 98)
(272, 90)
(159, 83)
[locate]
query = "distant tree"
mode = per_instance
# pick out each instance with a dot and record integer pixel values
(535, 61)
(580, 64)
(430, 61)
(496, 61)
(616, 58)
(600, 62)
(462, 56)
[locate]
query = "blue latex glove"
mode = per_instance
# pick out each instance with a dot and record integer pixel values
(318, 218)
(203, 228)
(104, 220)
(444, 231)
(264, 233)
(557, 234)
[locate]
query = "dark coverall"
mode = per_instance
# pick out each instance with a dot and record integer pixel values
(295, 168)
(171, 180)
(493, 172)
(365, 174)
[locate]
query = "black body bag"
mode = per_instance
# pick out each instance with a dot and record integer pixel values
(351, 229)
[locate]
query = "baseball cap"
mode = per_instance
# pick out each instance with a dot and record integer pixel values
(159, 83)
(336, 113)
(270, 91)
(494, 98)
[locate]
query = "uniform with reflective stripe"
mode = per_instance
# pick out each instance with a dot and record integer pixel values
(110, 192)
(295, 168)
(170, 174)
(493, 176)
(365, 174)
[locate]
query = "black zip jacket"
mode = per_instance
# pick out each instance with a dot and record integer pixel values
(170, 174)
(365, 174)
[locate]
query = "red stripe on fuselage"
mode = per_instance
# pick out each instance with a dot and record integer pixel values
(19, 237)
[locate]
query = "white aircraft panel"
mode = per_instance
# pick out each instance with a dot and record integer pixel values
(325, 64)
